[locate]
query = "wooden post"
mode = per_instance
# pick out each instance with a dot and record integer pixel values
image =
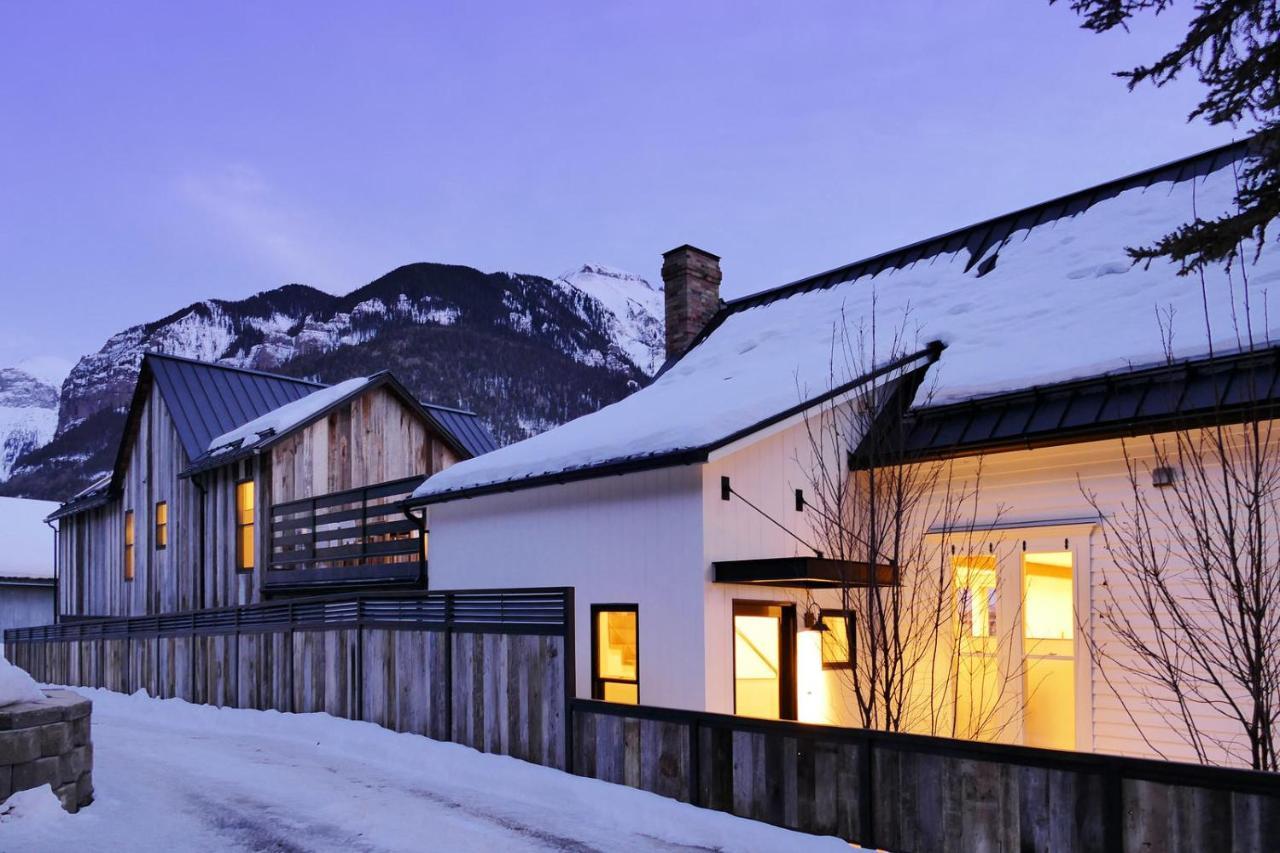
(866, 803)
(570, 675)
(1112, 809)
(448, 664)
(695, 766)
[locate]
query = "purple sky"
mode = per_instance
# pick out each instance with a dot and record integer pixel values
(159, 153)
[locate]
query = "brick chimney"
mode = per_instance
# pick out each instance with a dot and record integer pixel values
(691, 285)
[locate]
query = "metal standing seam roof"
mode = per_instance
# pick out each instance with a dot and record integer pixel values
(460, 428)
(1218, 390)
(206, 400)
(464, 426)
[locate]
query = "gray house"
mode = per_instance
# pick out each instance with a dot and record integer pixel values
(26, 563)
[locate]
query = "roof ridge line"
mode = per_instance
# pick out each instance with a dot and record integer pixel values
(733, 305)
(220, 366)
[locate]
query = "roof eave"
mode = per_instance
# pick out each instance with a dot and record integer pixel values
(684, 456)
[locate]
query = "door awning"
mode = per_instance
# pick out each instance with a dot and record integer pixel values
(803, 572)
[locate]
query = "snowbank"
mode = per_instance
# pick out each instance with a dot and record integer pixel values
(16, 686)
(1061, 301)
(174, 776)
(26, 543)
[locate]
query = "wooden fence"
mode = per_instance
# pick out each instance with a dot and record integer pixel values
(914, 793)
(486, 669)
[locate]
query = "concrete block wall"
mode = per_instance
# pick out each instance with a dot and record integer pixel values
(48, 743)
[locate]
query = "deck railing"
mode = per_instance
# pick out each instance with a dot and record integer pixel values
(357, 536)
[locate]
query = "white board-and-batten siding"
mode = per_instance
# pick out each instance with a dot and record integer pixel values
(633, 539)
(651, 538)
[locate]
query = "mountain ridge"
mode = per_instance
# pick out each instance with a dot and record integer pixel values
(523, 351)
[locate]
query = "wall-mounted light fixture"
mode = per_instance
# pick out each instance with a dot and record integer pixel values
(813, 618)
(1163, 476)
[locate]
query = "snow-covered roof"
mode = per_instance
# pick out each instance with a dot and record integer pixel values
(28, 542)
(285, 418)
(1039, 295)
(460, 428)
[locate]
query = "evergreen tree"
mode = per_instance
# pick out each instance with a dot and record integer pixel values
(1232, 46)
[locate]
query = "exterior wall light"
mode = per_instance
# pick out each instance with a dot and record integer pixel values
(1163, 476)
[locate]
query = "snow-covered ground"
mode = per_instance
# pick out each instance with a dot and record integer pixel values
(173, 776)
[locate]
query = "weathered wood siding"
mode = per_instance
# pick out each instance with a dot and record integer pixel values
(373, 439)
(497, 692)
(91, 544)
(912, 793)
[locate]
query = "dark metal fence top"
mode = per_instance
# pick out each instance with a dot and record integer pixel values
(1116, 766)
(533, 611)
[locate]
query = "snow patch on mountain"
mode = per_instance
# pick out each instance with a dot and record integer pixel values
(28, 415)
(635, 309)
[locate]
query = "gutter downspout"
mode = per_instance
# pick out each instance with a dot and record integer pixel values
(421, 523)
(57, 587)
(196, 480)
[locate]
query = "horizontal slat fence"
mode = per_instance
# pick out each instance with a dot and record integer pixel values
(486, 668)
(354, 536)
(914, 793)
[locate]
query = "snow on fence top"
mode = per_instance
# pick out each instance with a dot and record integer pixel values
(1053, 301)
(28, 543)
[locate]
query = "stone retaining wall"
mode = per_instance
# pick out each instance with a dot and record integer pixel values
(48, 743)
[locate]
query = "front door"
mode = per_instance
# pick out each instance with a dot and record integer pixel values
(764, 660)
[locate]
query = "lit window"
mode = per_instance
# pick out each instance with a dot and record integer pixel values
(835, 640)
(128, 544)
(162, 525)
(616, 652)
(244, 525)
(977, 602)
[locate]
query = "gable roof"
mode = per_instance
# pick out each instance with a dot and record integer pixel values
(461, 430)
(1043, 294)
(205, 400)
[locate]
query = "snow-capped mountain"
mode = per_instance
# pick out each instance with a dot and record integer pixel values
(525, 352)
(636, 308)
(28, 414)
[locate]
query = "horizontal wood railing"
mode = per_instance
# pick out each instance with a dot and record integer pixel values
(357, 536)
(914, 792)
(530, 611)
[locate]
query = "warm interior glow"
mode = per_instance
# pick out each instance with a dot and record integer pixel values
(617, 656)
(244, 525)
(977, 672)
(977, 601)
(128, 544)
(162, 525)
(1049, 610)
(811, 682)
(757, 681)
(835, 641)
(1049, 717)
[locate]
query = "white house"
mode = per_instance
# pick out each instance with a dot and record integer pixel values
(683, 515)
